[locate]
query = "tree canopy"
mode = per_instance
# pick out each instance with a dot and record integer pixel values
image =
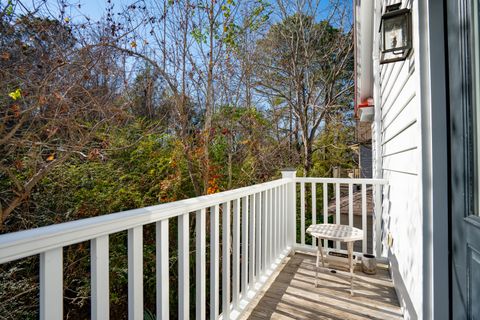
(159, 101)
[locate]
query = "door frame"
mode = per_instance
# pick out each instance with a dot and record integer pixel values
(430, 59)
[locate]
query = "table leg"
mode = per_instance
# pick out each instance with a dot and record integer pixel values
(321, 252)
(350, 264)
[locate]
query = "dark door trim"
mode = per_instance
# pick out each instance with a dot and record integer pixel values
(464, 221)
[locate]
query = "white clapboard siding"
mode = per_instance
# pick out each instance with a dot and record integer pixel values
(401, 164)
(404, 161)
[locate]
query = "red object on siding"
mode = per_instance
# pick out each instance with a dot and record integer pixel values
(363, 104)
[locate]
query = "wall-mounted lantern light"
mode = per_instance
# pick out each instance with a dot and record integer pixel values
(396, 33)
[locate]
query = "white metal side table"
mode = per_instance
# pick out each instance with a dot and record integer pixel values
(335, 232)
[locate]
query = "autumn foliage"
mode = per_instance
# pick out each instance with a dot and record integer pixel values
(153, 102)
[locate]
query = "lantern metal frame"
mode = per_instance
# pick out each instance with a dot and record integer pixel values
(398, 53)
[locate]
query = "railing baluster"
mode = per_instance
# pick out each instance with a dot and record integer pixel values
(183, 267)
(364, 217)
(314, 210)
(350, 204)
(264, 231)
(236, 254)
(278, 214)
(270, 227)
(325, 210)
(287, 211)
(100, 278)
(325, 202)
(214, 262)
(200, 264)
(293, 213)
(258, 235)
(226, 260)
(284, 211)
(274, 223)
(377, 222)
(337, 209)
(251, 242)
(244, 246)
(302, 213)
(51, 284)
(162, 269)
(135, 273)
(279, 219)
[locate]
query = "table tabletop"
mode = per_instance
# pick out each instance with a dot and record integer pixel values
(335, 232)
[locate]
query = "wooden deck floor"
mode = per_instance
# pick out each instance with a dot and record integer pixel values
(292, 295)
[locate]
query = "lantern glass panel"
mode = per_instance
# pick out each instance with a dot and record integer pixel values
(395, 32)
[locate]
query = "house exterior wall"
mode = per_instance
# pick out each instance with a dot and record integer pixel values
(365, 160)
(398, 143)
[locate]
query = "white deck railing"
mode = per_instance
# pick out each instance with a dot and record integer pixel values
(333, 185)
(263, 222)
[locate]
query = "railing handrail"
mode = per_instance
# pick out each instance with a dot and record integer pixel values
(343, 180)
(21, 244)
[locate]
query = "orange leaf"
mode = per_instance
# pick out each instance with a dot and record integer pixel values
(16, 110)
(51, 157)
(5, 56)
(93, 154)
(42, 100)
(18, 164)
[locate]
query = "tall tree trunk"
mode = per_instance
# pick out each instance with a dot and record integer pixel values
(209, 100)
(307, 156)
(184, 110)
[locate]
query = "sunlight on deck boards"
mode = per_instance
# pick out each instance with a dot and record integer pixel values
(292, 295)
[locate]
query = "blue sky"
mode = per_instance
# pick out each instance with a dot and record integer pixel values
(77, 9)
(95, 9)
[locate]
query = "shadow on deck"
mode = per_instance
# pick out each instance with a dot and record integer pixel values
(292, 295)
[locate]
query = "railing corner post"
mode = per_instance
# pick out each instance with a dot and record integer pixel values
(291, 173)
(377, 230)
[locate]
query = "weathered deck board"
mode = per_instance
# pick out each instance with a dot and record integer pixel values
(292, 295)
